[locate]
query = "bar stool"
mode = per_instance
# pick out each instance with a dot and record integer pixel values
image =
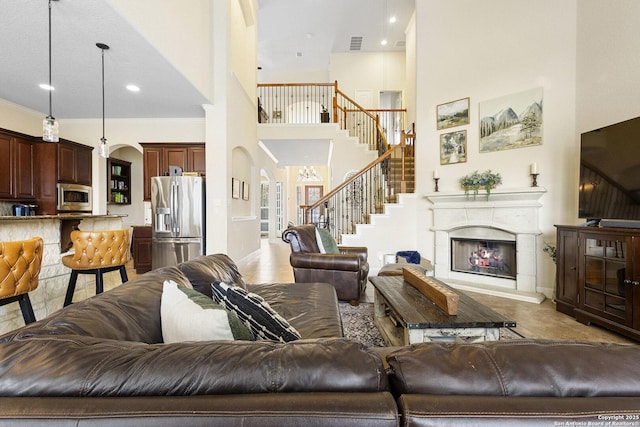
(97, 252)
(20, 263)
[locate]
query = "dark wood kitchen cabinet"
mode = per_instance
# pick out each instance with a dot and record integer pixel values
(17, 162)
(141, 248)
(65, 161)
(157, 157)
(598, 274)
(74, 163)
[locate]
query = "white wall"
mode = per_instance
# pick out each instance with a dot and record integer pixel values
(607, 89)
(483, 50)
(231, 125)
(181, 33)
(374, 72)
(20, 119)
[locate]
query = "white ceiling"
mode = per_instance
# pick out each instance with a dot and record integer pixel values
(292, 35)
(301, 34)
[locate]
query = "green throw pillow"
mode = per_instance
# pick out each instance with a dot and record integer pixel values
(326, 242)
(188, 315)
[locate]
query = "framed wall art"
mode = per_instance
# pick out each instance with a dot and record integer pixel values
(512, 121)
(453, 147)
(245, 190)
(452, 114)
(235, 188)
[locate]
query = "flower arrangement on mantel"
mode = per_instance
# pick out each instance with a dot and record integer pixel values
(476, 180)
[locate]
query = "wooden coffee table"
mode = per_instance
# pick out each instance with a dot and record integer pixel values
(405, 316)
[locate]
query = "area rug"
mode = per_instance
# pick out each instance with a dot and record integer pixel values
(358, 325)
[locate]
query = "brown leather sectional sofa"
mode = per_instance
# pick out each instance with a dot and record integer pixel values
(101, 361)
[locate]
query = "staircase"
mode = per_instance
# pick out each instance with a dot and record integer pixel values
(396, 185)
(374, 189)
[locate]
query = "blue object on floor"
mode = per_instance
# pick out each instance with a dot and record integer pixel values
(412, 257)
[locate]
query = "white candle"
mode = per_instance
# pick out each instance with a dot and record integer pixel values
(435, 174)
(534, 168)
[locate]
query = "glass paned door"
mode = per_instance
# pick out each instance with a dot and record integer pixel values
(313, 193)
(604, 264)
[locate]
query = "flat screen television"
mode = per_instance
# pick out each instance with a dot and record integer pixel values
(610, 174)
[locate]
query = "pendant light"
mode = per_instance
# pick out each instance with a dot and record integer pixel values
(50, 127)
(104, 147)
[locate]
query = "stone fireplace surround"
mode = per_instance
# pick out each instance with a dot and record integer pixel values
(509, 214)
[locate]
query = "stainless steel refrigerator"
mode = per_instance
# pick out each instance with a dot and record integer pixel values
(178, 224)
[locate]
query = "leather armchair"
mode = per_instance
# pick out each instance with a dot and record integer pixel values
(346, 271)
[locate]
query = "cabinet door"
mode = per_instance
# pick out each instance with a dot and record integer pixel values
(152, 159)
(175, 156)
(567, 271)
(197, 160)
(66, 163)
(605, 265)
(635, 283)
(46, 177)
(24, 162)
(83, 165)
(6, 160)
(142, 249)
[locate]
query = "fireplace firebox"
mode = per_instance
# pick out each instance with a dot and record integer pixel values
(484, 257)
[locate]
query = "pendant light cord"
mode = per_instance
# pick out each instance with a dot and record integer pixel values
(102, 94)
(50, 87)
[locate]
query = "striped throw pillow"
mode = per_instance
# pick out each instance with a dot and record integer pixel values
(255, 312)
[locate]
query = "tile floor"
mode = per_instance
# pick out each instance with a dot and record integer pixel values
(271, 264)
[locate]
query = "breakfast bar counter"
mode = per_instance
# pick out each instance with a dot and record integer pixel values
(54, 277)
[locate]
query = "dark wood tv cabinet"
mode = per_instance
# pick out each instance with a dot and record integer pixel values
(598, 277)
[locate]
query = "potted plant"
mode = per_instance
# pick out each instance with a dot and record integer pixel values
(550, 250)
(476, 180)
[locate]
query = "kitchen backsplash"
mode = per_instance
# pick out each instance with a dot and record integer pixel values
(5, 208)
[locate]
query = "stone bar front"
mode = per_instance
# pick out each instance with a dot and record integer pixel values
(54, 277)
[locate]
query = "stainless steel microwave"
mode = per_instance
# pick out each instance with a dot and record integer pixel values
(74, 198)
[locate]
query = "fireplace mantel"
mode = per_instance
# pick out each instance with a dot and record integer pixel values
(514, 211)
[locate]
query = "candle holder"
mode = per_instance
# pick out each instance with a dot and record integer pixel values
(436, 181)
(534, 178)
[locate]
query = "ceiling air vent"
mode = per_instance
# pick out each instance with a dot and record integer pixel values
(401, 43)
(298, 54)
(356, 43)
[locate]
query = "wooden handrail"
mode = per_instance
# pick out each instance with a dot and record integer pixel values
(362, 171)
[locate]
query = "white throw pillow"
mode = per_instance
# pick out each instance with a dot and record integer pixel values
(187, 315)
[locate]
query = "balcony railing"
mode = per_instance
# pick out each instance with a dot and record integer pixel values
(308, 103)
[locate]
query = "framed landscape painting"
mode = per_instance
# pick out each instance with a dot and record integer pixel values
(452, 114)
(512, 121)
(453, 147)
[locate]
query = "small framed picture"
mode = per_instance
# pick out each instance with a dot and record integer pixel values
(245, 190)
(235, 188)
(452, 114)
(453, 147)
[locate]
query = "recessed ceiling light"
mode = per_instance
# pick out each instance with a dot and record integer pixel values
(392, 20)
(383, 42)
(133, 88)
(46, 86)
